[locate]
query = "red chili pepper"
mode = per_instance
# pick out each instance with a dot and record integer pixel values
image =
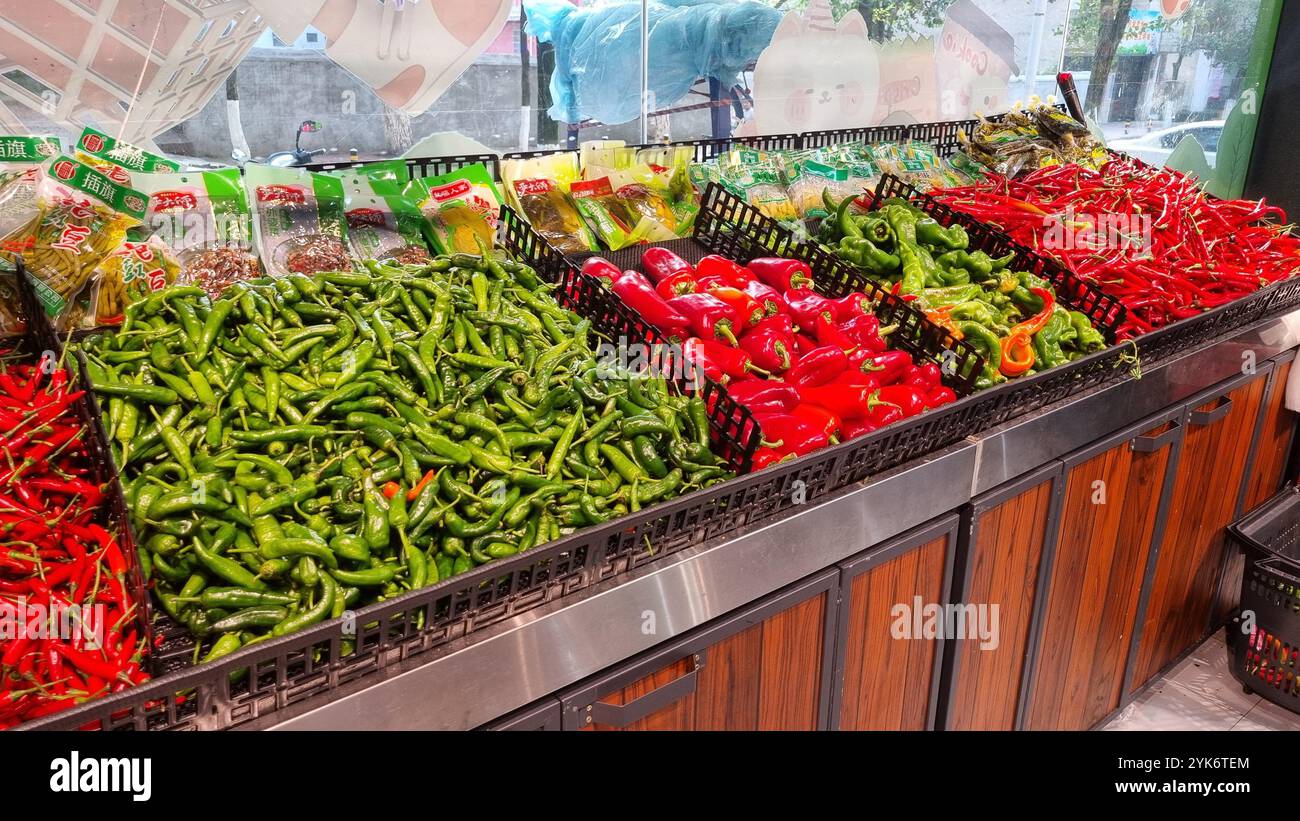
(790, 434)
(420, 485)
(766, 457)
(391, 489)
(660, 264)
(888, 366)
(856, 428)
(639, 295)
(828, 332)
(708, 316)
(864, 331)
(940, 396)
(909, 398)
(750, 312)
(846, 401)
(806, 306)
(734, 362)
(825, 421)
(765, 395)
(817, 367)
(852, 305)
(767, 296)
(676, 285)
(771, 349)
(782, 274)
(728, 271)
(602, 269)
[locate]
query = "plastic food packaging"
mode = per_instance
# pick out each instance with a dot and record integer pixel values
(603, 211)
(539, 187)
(459, 210)
(202, 219)
(20, 162)
(299, 225)
(382, 223)
(84, 216)
(132, 271)
(121, 161)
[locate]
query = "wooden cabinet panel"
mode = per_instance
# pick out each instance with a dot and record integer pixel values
(1207, 482)
(887, 681)
(766, 669)
(1004, 548)
(1268, 460)
(1108, 516)
(1277, 425)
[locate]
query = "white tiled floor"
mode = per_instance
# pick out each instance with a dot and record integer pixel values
(1201, 694)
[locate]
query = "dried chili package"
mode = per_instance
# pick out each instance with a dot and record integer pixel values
(201, 221)
(383, 223)
(299, 222)
(20, 163)
(84, 216)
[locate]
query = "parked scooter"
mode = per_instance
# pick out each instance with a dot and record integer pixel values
(298, 156)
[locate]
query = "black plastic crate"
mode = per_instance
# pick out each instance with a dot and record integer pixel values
(867, 134)
(536, 152)
(1264, 659)
(734, 432)
(706, 149)
(1105, 312)
(426, 166)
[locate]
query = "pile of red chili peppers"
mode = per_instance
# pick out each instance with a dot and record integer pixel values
(68, 627)
(812, 370)
(1200, 253)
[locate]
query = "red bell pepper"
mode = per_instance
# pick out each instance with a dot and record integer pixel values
(817, 367)
(856, 428)
(766, 457)
(791, 434)
(782, 274)
(708, 316)
(676, 285)
(729, 271)
(771, 348)
(853, 376)
(660, 264)
(602, 269)
(765, 395)
(734, 362)
(888, 366)
(825, 421)
(767, 296)
(781, 323)
(698, 358)
(750, 312)
(805, 306)
(639, 295)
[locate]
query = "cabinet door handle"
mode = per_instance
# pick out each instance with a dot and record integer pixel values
(1151, 444)
(621, 715)
(1209, 417)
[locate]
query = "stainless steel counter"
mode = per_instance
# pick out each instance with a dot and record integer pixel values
(469, 683)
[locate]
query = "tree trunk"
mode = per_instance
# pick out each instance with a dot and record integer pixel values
(1114, 17)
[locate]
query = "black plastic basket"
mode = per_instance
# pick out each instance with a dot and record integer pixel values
(426, 166)
(867, 134)
(709, 148)
(1264, 659)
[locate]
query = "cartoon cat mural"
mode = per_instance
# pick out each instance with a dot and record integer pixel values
(907, 82)
(816, 74)
(408, 52)
(973, 61)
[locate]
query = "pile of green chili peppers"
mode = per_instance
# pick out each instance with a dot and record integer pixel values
(976, 296)
(256, 436)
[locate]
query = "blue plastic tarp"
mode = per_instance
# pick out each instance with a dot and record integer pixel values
(598, 51)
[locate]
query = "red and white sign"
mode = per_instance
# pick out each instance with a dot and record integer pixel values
(175, 201)
(287, 194)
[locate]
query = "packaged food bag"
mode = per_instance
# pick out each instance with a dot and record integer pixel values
(84, 216)
(383, 223)
(459, 210)
(132, 271)
(299, 225)
(198, 222)
(603, 211)
(539, 188)
(119, 160)
(20, 163)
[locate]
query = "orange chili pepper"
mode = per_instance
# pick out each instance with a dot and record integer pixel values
(419, 486)
(1017, 354)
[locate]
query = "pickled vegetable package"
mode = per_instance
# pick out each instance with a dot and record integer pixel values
(299, 224)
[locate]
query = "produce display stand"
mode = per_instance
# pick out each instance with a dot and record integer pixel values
(550, 618)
